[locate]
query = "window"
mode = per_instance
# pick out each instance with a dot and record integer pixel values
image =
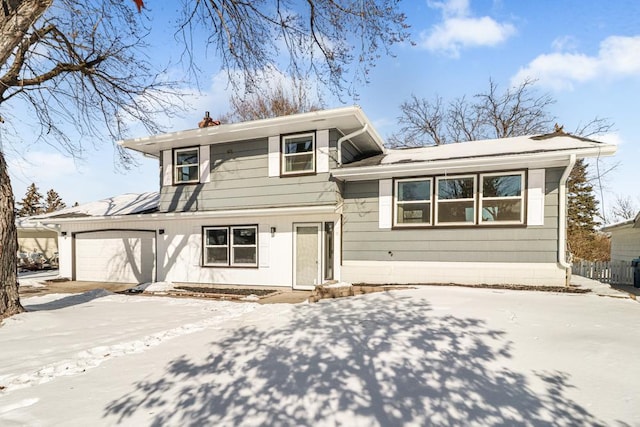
(455, 200)
(186, 166)
(413, 201)
(298, 154)
(502, 198)
(230, 246)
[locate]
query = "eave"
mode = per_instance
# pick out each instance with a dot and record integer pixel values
(346, 120)
(557, 158)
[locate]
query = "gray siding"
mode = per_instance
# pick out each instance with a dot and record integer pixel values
(363, 240)
(240, 180)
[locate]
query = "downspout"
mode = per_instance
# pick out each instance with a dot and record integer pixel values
(562, 214)
(349, 136)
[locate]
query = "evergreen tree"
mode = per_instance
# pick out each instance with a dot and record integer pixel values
(53, 202)
(582, 214)
(31, 204)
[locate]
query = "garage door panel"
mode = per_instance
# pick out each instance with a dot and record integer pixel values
(115, 256)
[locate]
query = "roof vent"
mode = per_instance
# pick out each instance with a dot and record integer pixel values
(207, 121)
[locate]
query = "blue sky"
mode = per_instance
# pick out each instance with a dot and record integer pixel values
(584, 53)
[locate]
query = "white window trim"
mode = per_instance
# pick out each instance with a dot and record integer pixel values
(176, 166)
(520, 197)
(230, 246)
(205, 246)
(437, 200)
(396, 202)
(284, 156)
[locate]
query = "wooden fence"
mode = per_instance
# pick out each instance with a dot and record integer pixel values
(614, 272)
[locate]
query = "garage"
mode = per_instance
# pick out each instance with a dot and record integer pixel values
(125, 256)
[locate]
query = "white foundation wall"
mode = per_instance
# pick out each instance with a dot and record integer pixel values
(179, 248)
(468, 273)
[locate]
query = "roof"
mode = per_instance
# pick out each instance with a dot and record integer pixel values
(345, 119)
(125, 204)
(522, 151)
(625, 223)
(30, 224)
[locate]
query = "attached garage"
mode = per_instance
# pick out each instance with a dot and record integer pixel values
(126, 256)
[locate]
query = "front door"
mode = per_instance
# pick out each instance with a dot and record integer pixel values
(306, 253)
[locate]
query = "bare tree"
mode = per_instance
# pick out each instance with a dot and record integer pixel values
(82, 64)
(423, 123)
(624, 208)
(519, 110)
(328, 40)
(279, 100)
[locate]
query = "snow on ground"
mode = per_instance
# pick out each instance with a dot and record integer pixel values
(427, 356)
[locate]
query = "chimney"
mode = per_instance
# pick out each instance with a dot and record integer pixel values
(208, 121)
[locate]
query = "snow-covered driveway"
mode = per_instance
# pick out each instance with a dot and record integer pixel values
(428, 356)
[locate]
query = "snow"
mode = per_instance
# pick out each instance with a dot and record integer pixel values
(124, 204)
(424, 356)
(490, 147)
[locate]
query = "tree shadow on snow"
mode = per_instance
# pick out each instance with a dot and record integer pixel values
(68, 301)
(377, 360)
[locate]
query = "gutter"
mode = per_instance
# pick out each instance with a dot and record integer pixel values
(347, 137)
(195, 215)
(54, 227)
(562, 218)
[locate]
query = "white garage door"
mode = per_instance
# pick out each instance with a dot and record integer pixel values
(115, 256)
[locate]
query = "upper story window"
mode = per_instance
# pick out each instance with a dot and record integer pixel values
(298, 154)
(455, 200)
(186, 165)
(502, 198)
(413, 201)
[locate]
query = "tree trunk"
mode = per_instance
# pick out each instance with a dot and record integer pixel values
(9, 298)
(16, 17)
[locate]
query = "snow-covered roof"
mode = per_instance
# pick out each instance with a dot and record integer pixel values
(625, 223)
(125, 204)
(30, 224)
(492, 152)
(345, 119)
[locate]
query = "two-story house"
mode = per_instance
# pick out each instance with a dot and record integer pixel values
(299, 200)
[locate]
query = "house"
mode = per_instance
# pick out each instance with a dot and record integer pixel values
(625, 239)
(35, 237)
(299, 200)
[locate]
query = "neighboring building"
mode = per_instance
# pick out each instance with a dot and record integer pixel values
(34, 237)
(625, 239)
(299, 200)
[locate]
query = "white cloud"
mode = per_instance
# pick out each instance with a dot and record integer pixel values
(459, 30)
(40, 167)
(617, 57)
(451, 8)
(610, 138)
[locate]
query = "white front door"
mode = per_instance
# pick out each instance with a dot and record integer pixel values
(307, 246)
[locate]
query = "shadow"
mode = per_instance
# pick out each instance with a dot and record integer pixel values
(385, 360)
(68, 301)
(184, 198)
(124, 204)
